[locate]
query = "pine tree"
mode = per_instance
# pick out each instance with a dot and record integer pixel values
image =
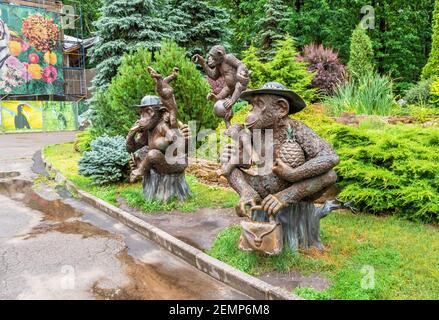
(361, 56)
(432, 67)
(198, 24)
(271, 27)
(124, 25)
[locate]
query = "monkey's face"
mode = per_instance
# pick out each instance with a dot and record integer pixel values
(150, 117)
(216, 58)
(266, 112)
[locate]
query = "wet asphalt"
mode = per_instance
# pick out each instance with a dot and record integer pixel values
(53, 246)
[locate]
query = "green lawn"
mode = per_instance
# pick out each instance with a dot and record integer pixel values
(404, 257)
(64, 158)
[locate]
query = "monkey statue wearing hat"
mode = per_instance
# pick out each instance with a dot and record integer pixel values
(302, 161)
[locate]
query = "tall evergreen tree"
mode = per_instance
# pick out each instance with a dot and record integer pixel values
(198, 24)
(361, 57)
(271, 27)
(124, 25)
(432, 67)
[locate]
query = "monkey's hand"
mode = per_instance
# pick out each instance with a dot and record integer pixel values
(243, 77)
(185, 132)
(154, 73)
(281, 169)
(247, 201)
(198, 59)
(228, 103)
(136, 127)
(175, 71)
(272, 205)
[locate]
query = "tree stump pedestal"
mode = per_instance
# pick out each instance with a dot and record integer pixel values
(300, 224)
(165, 187)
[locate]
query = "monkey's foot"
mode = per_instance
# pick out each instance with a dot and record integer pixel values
(212, 97)
(135, 175)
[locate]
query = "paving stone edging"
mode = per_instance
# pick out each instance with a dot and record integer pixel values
(253, 287)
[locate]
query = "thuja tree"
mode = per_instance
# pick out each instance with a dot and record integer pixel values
(200, 25)
(190, 88)
(361, 56)
(113, 111)
(432, 67)
(271, 27)
(124, 25)
(284, 68)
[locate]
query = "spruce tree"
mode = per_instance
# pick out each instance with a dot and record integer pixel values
(361, 56)
(432, 67)
(271, 27)
(124, 25)
(198, 24)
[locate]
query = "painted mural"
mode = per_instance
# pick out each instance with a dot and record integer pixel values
(38, 115)
(30, 51)
(59, 116)
(22, 116)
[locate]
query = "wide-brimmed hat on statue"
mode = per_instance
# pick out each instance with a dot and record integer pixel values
(296, 102)
(149, 101)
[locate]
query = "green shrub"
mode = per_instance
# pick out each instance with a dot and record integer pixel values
(83, 141)
(113, 111)
(419, 93)
(361, 54)
(283, 68)
(106, 162)
(434, 93)
(432, 67)
(392, 169)
(190, 88)
(372, 94)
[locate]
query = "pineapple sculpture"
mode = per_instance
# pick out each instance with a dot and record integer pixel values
(291, 152)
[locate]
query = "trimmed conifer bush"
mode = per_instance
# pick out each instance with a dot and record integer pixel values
(432, 67)
(283, 68)
(361, 54)
(107, 162)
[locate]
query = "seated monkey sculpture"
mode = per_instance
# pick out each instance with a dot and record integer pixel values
(236, 76)
(302, 161)
(155, 131)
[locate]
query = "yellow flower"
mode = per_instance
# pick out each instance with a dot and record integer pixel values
(36, 71)
(50, 58)
(15, 48)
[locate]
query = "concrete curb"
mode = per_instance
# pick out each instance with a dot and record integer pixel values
(221, 271)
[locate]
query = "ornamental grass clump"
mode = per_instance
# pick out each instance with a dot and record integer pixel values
(107, 162)
(371, 94)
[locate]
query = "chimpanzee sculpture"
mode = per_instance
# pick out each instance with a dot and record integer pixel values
(288, 190)
(236, 76)
(154, 136)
